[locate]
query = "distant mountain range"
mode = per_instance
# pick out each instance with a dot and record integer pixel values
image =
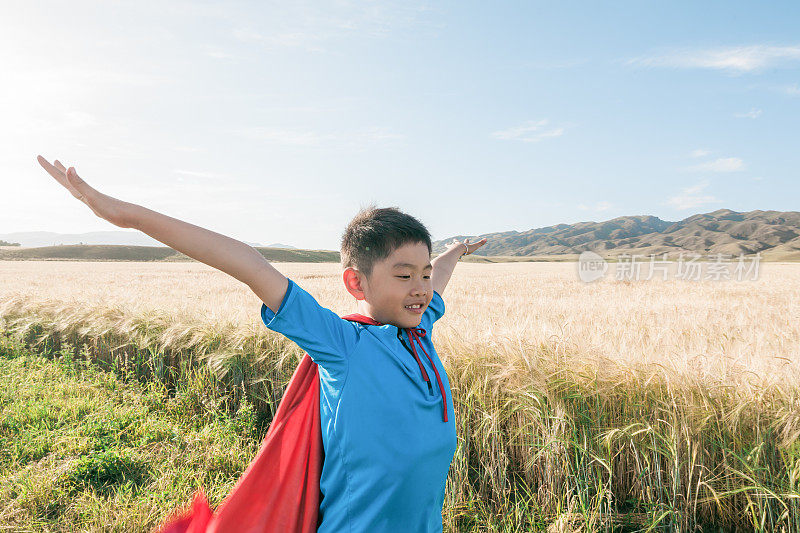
(32, 239)
(775, 234)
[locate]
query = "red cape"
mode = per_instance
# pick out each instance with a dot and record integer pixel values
(279, 490)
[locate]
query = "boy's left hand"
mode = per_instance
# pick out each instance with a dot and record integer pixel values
(442, 270)
(471, 246)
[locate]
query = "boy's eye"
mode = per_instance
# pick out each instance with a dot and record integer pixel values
(406, 277)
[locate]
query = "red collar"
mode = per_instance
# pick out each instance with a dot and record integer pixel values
(361, 319)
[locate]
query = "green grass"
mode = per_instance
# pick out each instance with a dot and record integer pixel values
(83, 450)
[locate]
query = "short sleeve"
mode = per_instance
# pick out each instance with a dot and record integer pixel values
(433, 313)
(326, 336)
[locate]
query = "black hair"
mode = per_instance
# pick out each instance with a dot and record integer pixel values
(374, 233)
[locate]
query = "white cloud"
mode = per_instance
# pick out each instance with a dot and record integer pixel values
(307, 26)
(531, 131)
(692, 197)
(723, 164)
(699, 153)
(306, 40)
(791, 90)
(753, 113)
(733, 58)
(696, 189)
(75, 119)
(201, 175)
(358, 139)
(218, 54)
(599, 206)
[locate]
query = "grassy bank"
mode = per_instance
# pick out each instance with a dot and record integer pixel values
(113, 252)
(84, 449)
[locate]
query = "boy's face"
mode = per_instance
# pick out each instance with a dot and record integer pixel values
(400, 280)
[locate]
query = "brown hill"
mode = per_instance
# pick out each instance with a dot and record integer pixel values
(773, 233)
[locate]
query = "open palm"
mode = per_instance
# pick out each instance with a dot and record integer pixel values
(104, 206)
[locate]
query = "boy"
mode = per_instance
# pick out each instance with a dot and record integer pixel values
(386, 411)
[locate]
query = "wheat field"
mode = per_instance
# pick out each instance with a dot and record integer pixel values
(614, 405)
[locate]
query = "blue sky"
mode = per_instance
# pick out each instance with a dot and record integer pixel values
(275, 121)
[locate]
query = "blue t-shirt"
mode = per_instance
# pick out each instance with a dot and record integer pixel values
(387, 449)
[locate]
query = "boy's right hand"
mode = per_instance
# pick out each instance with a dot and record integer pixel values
(115, 211)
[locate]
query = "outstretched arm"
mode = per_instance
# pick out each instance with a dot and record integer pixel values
(445, 262)
(233, 257)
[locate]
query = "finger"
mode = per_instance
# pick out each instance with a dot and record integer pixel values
(59, 166)
(81, 186)
(59, 175)
(476, 245)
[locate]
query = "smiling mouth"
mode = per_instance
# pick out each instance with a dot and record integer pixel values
(414, 308)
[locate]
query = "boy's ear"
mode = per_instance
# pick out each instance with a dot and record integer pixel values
(353, 282)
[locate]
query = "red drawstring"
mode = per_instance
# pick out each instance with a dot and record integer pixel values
(416, 333)
(413, 333)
